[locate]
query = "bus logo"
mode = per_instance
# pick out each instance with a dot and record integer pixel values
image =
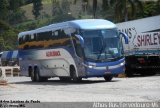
(53, 53)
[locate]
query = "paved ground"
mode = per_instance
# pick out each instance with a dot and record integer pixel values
(136, 89)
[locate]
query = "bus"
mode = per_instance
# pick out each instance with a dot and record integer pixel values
(72, 50)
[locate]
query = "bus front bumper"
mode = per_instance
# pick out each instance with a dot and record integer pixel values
(100, 70)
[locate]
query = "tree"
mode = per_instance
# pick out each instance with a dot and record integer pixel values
(60, 11)
(94, 8)
(8, 36)
(16, 14)
(15, 4)
(37, 6)
(3, 26)
(84, 4)
(4, 10)
(65, 6)
(56, 9)
(126, 9)
(151, 7)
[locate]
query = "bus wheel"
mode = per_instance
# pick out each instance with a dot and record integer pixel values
(108, 78)
(129, 72)
(33, 78)
(38, 78)
(73, 75)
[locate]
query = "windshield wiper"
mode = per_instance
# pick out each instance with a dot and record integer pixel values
(101, 50)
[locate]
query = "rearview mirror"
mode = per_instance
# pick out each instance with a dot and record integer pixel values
(81, 40)
(124, 35)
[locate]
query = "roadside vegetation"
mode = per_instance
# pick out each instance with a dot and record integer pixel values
(22, 15)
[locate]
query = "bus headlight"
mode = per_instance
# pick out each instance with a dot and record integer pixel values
(90, 66)
(121, 64)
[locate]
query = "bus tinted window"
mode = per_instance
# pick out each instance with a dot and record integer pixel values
(46, 39)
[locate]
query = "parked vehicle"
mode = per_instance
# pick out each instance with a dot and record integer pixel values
(9, 58)
(143, 51)
(0, 58)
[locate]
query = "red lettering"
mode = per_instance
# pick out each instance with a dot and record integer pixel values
(159, 38)
(155, 35)
(139, 41)
(53, 53)
(142, 40)
(151, 40)
(147, 40)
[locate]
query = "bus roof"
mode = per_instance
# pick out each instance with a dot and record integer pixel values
(93, 24)
(82, 24)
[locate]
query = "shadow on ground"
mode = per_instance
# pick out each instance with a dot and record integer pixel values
(59, 82)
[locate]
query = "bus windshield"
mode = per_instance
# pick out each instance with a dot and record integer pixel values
(102, 45)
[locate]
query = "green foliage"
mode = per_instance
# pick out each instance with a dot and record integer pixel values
(13, 20)
(56, 9)
(17, 16)
(125, 10)
(4, 9)
(8, 39)
(61, 18)
(15, 4)
(150, 8)
(65, 6)
(4, 26)
(30, 25)
(37, 6)
(94, 8)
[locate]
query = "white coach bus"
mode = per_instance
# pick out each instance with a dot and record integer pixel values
(72, 50)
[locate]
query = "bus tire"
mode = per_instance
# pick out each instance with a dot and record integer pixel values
(38, 78)
(148, 72)
(32, 74)
(44, 79)
(108, 78)
(129, 72)
(74, 76)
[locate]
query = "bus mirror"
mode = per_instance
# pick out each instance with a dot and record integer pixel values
(124, 35)
(81, 40)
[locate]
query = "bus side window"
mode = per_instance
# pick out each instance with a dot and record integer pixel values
(40, 36)
(23, 39)
(20, 40)
(76, 43)
(68, 38)
(48, 35)
(35, 37)
(62, 33)
(54, 34)
(27, 38)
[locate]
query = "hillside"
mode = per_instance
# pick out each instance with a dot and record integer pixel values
(74, 9)
(47, 7)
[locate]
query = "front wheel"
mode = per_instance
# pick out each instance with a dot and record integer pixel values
(129, 72)
(108, 78)
(74, 76)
